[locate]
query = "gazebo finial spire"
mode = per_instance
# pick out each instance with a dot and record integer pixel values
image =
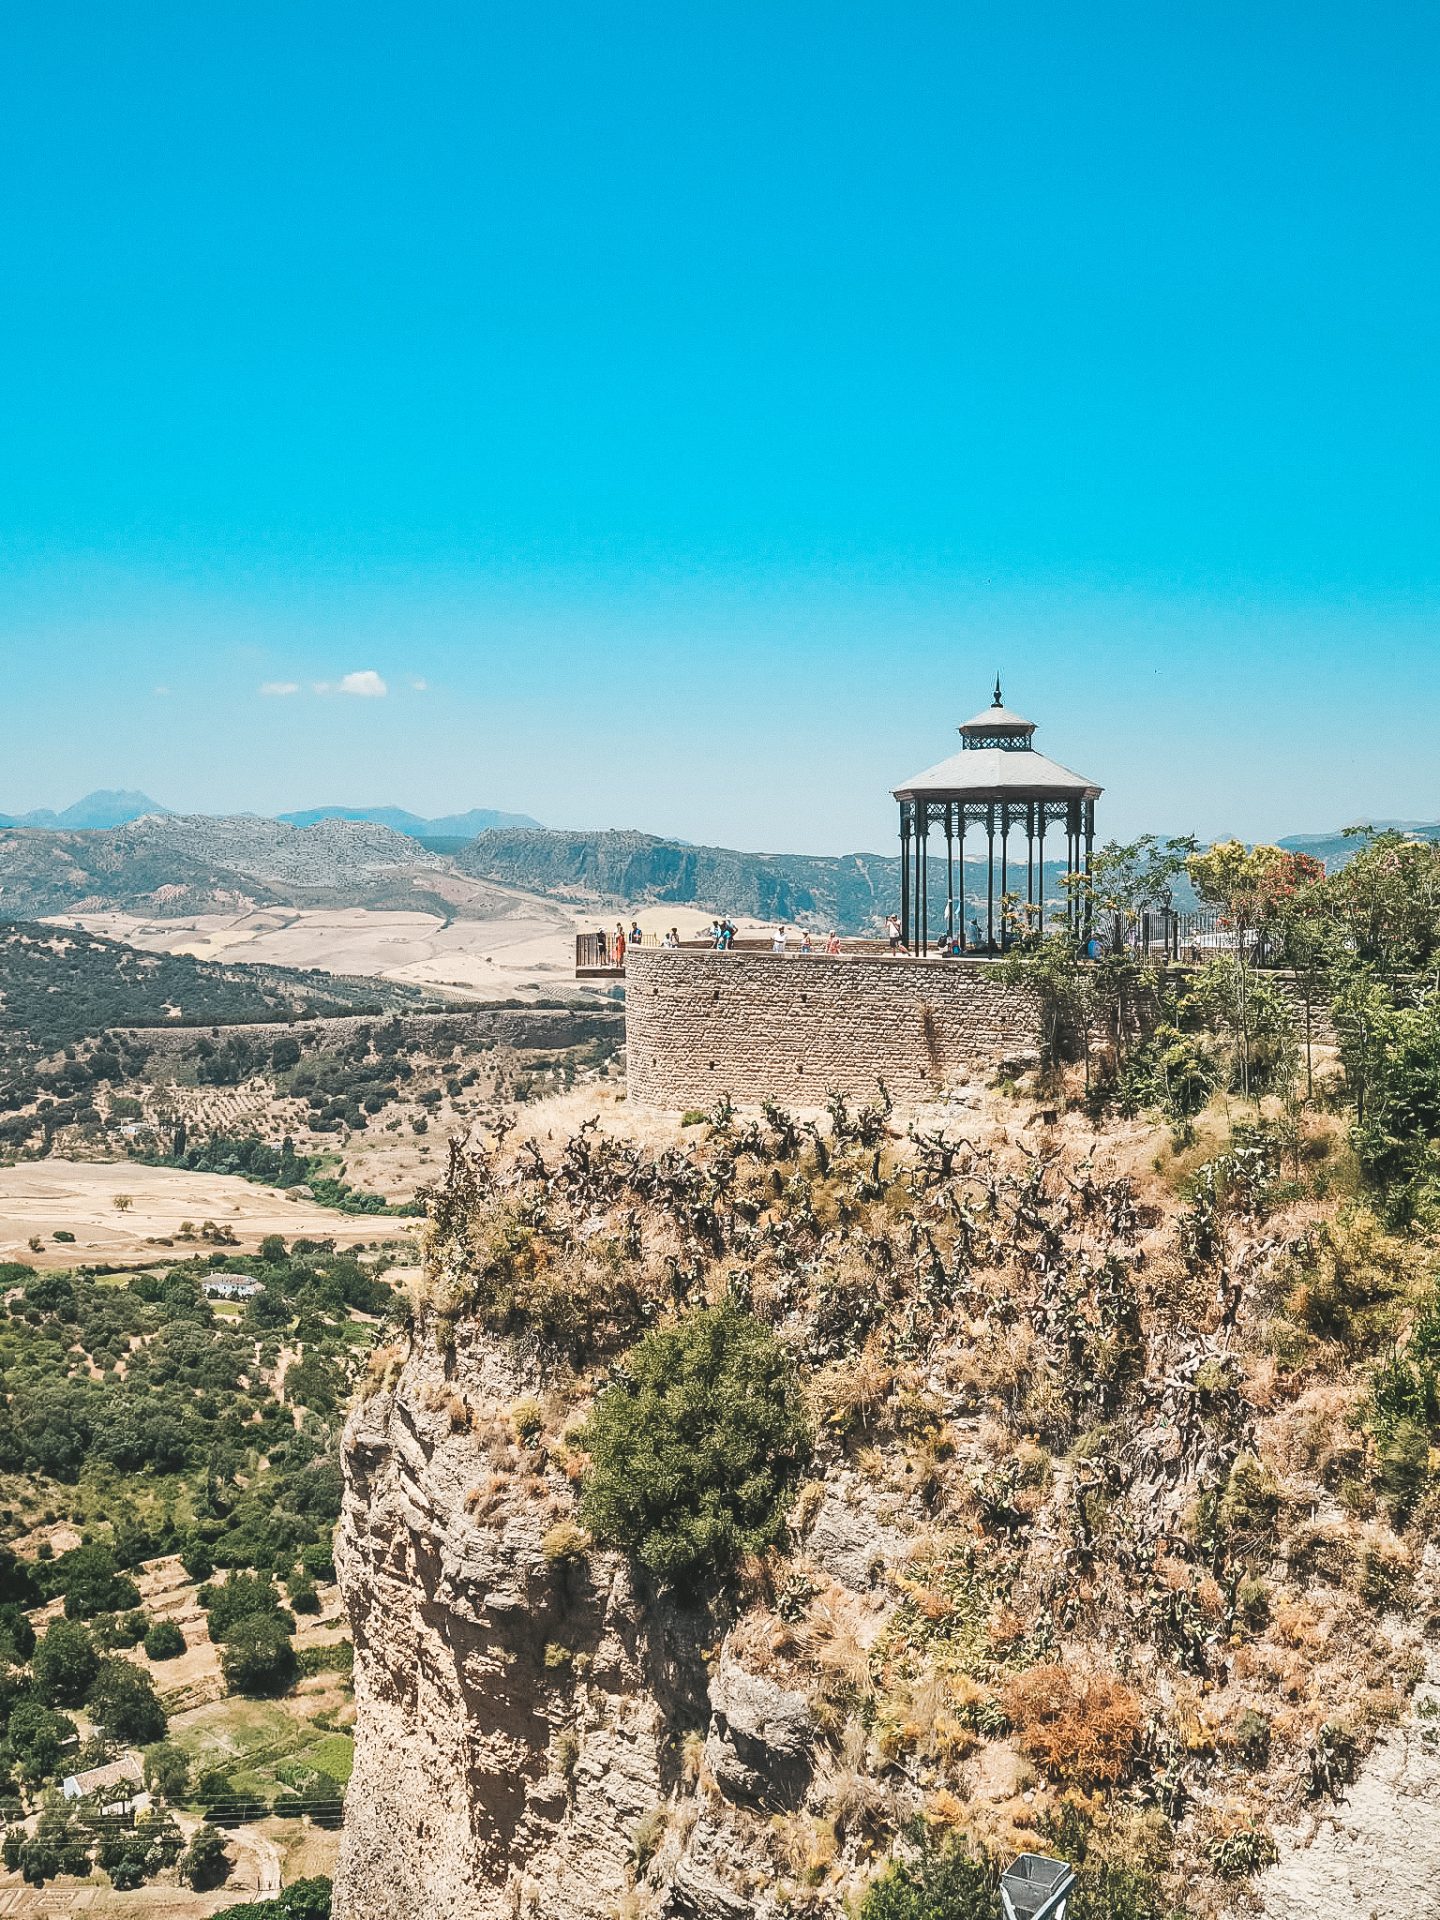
(998, 701)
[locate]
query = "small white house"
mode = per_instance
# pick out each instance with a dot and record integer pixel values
(116, 1784)
(232, 1286)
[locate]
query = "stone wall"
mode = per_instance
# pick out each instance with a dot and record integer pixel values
(796, 1027)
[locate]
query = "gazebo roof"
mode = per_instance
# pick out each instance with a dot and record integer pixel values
(998, 761)
(998, 773)
(997, 719)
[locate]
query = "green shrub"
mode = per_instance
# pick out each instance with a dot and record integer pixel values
(693, 1449)
(942, 1884)
(301, 1900)
(164, 1641)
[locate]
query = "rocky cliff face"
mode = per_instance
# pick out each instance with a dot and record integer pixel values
(1069, 1568)
(538, 1731)
(490, 1783)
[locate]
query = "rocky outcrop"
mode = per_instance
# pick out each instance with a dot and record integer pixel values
(760, 1737)
(516, 1714)
(534, 1729)
(1375, 1854)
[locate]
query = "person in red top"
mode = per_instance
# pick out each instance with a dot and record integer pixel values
(619, 943)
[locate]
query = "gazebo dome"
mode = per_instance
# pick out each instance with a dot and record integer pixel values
(997, 726)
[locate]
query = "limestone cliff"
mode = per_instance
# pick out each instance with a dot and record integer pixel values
(1078, 1562)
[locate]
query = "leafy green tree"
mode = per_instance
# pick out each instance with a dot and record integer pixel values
(65, 1663)
(1391, 1059)
(1385, 903)
(205, 1864)
(257, 1657)
(1255, 887)
(36, 1737)
(1126, 880)
(244, 1596)
(693, 1450)
(123, 1701)
(167, 1772)
(1254, 1019)
(92, 1583)
(303, 1597)
(301, 1900)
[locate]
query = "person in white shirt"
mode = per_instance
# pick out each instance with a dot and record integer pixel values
(779, 942)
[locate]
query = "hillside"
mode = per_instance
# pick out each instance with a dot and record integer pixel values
(185, 864)
(57, 988)
(851, 892)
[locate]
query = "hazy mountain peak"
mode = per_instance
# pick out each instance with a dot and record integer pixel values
(106, 807)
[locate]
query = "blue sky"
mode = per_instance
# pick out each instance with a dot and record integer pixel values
(683, 410)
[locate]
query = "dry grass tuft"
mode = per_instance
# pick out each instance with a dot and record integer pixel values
(1081, 1728)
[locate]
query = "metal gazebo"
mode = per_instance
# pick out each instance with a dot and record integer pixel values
(999, 783)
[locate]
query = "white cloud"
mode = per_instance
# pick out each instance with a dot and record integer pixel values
(161, 692)
(278, 689)
(368, 685)
(421, 686)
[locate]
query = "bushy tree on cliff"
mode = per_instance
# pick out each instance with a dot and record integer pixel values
(1253, 887)
(695, 1447)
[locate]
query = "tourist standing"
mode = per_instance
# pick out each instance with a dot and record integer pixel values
(892, 932)
(778, 944)
(636, 937)
(832, 945)
(619, 943)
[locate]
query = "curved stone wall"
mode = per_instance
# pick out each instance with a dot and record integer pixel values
(796, 1027)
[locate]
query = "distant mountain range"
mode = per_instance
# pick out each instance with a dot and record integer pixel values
(847, 891)
(159, 863)
(1335, 848)
(105, 809)
(450, 826)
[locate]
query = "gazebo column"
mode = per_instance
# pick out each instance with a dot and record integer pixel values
(990, 877)
(1030, 863)
(1004, 865)
(905, 806)
(1042, 811)
(924, 876)
(949, 872)
(964, 933)
(1089, 859)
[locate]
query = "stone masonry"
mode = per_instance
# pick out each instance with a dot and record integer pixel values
(797, 1027)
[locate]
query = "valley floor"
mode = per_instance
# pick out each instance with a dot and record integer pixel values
(530, 951)
(37, 1197)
